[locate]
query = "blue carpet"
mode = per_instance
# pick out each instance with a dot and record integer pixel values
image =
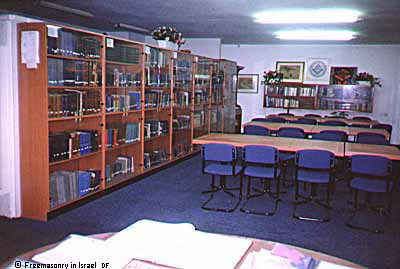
(174, 195)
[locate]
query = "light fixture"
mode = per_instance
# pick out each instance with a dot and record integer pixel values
(66, 9)
(339, 35)
(323, 15)
(131, 27)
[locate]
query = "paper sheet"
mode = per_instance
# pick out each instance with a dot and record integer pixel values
(30, 48)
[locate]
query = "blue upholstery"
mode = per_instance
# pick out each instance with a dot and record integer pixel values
(329, 135)
(291, 132)
(387, 127)
(311, 176)
(221, 169)
(260, 154)
(313, 115)
(362, 118)
(370, 185)
(370, 165)
(219, 152)
(260, 119)
(256, 130)
(260, 172)
(371, 138)
(359, 125)
(333, 123)
(276, 119)
(314, 159)
(305, 121)
(285, 114)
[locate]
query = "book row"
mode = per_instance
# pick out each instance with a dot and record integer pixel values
(66, 185)
(281, 102)
(123, 102)
(181, 122)
(182, 98)
(118, 78)
(118, 52)
(291, 91)
(157, 99)
(199, 119)
(158, 78)
(67, 145)
(123, 165)
(154, 158)
(119, 133)
(154, 128)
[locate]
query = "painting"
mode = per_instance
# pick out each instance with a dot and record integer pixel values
(343, 75)
(292, 71)
(317, 71)
(248, 83)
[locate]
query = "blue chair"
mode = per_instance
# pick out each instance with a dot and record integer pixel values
(285, 114)
(333, 123)
(385, 126)
(220, 160)
(314, 167)
(260, 119)
(359, 125)
(371, 175)
(261, 162)
(362, 118)
(291, 132)
(305, 121)
(371, 138)
(331, 135)
(256, 130)
(313, 115)
(276, 119)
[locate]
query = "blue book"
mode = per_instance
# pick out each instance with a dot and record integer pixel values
(109, 138)
(84, 180)
(109, 103)
(85, 142)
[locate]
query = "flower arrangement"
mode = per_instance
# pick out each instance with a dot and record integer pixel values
(373, 81)
(168, 34)
(272, 77)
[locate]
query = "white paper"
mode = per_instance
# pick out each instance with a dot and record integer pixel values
(30, 48)
(110, 43)
(52, 31)
(147, 50)
(328, 265)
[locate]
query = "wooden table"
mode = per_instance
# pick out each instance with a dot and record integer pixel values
(281, 143)
(318, 119)
(256, 245)
(390, 152)
(313, 129)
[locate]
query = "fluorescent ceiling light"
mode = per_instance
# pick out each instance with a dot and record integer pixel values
(66, 9)
(131, 27)
(315, 35)
(324, 15)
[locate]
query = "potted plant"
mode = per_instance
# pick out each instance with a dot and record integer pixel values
(366, 78)
(272, 77)
(165, 34)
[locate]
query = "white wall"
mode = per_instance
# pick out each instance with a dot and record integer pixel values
(380, 60)
(9, 122)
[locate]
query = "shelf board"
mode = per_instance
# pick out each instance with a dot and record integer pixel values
(122, 63)
(121, 178)
(157, 109)
(98, 115)
(75, 200)
(155, 137)
(74, 58)
(123, 112)
(138, 87)
(122, 146)
(75, 87)
(157, 166)
(75, 158)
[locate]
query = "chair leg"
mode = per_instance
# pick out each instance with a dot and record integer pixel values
(212, 185)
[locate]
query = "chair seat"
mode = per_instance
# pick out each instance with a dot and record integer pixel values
(370, 185)
(286, 157)
(261, 172)
(221, 169)
(313, 176)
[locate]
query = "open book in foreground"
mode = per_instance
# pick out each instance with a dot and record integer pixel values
(173, 245)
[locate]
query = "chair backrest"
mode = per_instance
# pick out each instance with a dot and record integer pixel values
(313, 115)
(371, 138)
(256, 130)
(260, 119)
(359, 125)
(291, 132)
(370, 165)
(285, 114)
(275, 119)
(305, 121)
(219, 152)
(362, 118)
(315, 159)
(330, 135)
(333, 123)
(385, 126)
(260, 154)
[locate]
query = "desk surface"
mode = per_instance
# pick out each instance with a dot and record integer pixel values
(390, 152)
(255, 246)
(281, 143)
(311, 129)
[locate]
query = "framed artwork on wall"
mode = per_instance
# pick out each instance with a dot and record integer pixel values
(292, 71)
(343, 75)
(317, 71)
(247, 83)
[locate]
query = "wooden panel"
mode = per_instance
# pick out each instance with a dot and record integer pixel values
(34, 130)
(390, 152)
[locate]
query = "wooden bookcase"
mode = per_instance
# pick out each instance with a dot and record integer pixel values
(290, 95)
(98, 111)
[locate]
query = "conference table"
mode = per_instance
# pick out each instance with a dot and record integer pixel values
(319, 119)
(313, 129)
(339, 149)
(256, 245)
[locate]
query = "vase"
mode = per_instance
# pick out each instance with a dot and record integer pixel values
(364, 82)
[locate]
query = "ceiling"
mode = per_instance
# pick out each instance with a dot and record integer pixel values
(230, 20)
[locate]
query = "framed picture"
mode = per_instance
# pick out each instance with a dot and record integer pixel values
(343, 75)
(292, 71)
(317, 71)
(248, 83)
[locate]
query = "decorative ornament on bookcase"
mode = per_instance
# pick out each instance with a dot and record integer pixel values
(365, 78)
(272, 77)
(168, 37)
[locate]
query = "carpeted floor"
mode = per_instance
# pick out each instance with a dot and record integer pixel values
(174, 195)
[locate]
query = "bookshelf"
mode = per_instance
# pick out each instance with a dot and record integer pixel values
(217, 98)
(228, 70)
(98, 111)
(322, 97)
